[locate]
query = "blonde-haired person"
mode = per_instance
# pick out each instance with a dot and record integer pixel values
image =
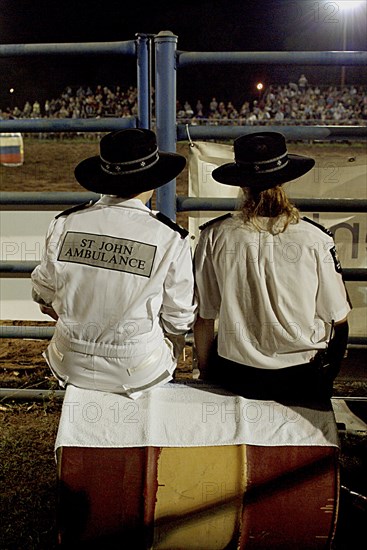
(272, 280)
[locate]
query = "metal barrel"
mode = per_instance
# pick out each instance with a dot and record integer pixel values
(240, 496)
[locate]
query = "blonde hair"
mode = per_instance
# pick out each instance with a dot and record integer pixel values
(273, 204)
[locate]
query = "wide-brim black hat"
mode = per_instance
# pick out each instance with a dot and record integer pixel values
(261, 162)
(129, 163)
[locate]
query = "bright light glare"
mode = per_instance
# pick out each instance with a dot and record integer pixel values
(260, 86)
(349, 4)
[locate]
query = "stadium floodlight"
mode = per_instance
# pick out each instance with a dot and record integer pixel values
(349, 4)
(259, 87)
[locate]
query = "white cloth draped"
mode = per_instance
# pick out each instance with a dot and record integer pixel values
(188, 415)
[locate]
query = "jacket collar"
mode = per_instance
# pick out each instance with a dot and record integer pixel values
(114, 200)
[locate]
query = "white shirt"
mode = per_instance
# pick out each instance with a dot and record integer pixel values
(119, 279)
(274, 295)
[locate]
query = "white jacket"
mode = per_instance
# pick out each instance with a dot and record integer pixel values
(119, 280)
(274, 296)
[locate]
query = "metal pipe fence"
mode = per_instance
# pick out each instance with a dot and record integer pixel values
(168, 60)
(292, 132)
(186, 204)
(14, 268)
(54, 125)
(355, 58)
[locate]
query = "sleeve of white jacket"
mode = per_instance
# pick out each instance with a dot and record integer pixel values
(178, 312)
(42, 277)
(332, 300)
(206, 284)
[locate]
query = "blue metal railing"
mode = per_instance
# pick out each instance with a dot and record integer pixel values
(292, 132)
(165, 110)
(127, 48)
(25, 268)
(36, 125)
(165, 49)
(167, 61)
(28, 199)
(46, 332)
(356, 58)
(186, 204)
(139, 48)
(53, 200)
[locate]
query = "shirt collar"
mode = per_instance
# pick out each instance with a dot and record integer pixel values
(114, 200)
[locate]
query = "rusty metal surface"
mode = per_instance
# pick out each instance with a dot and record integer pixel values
(291, 499)
(108, 498)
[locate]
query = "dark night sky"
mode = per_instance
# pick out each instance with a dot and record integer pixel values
(214, 25)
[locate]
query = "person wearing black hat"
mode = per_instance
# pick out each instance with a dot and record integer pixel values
(272, 281)
(116, 275)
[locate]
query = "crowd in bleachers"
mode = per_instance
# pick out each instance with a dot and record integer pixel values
(81, 103)
(290, 104)
(294, 103)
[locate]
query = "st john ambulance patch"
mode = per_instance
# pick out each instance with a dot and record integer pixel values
(108, 252)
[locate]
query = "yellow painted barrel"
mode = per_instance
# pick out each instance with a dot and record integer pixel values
(205, 498)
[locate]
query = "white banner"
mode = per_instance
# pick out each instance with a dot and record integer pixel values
(22, 238)
(332, 177)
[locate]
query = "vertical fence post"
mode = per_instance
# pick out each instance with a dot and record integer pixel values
(165, 111)
(144, 80)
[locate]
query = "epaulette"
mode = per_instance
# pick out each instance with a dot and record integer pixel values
(210, 222)
(173, 225)
(321, 227)
(75, 208)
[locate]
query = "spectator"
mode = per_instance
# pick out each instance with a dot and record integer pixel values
(188, 109)
(302, 82)
(199, 107)
(299, 106)
(213, 105)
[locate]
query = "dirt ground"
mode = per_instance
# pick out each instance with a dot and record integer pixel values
(49, 163)
(28, 429)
